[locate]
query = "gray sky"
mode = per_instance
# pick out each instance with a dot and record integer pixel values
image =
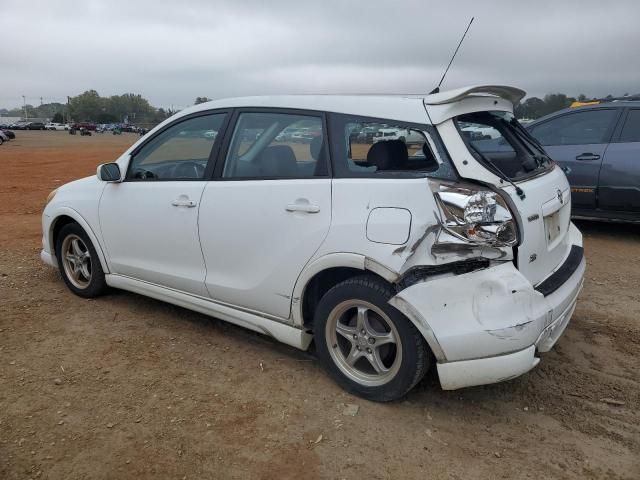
(172, 51)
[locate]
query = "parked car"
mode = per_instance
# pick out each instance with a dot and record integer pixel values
(388, 262)
(56, 126)
(408, 136)
(3, 137)
(86, 125)
(8, 133)
(21, 125)
(34, 126)
(598, 145)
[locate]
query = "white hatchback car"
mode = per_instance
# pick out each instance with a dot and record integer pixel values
(460, 253)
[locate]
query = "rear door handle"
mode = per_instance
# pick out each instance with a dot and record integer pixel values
(303, 207)
(588, 156)
(179, 202)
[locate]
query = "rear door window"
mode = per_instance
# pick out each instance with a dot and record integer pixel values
(277, 146)
(579, 128)
(631, 129)
(365, 147)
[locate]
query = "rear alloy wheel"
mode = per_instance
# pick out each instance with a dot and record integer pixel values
(79, 263)
(370, 348)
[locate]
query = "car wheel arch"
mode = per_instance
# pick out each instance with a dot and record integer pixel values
(67, 215)
(325, 272)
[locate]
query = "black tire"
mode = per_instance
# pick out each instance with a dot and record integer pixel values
(414, 359)
(96, 285)
(403, 140)
(1, 141)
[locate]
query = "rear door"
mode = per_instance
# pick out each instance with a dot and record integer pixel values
(619, 187)
(267, 210)
(578, 142)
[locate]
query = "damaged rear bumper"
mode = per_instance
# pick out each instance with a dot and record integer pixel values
(486, 326)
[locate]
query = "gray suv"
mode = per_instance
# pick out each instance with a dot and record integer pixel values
(598, 146)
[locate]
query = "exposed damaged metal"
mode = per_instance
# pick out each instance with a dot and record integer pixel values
(420, 273)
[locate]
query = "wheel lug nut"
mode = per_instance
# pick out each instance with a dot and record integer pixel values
(368, 350)
(355, 336)
(362, 331)
(357, 347)
(372, 340)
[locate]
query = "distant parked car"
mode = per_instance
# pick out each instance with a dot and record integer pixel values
(598, 146)
(8, 133)
(409, 137)
(85, 125)
(34, 126)
(3, 138)
(56, 126)
(22, 125)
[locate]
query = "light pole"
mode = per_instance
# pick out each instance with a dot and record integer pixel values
(24, 106)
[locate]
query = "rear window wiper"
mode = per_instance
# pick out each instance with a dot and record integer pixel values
(497, 171)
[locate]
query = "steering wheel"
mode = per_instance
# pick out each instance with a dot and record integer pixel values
(188, 170)
(142, 174)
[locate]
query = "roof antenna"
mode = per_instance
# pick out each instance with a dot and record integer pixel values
(437, 89)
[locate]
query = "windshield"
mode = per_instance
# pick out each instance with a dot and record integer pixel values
(497, 140)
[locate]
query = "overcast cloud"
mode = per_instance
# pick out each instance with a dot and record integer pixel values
(171, 52)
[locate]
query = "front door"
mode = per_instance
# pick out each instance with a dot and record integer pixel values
(578, 142)
(267, 211)
(149, 221)
(619, 187)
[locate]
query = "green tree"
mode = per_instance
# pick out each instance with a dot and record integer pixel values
(57, 118)
(86, 106)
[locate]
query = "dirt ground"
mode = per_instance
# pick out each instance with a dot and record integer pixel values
(129, 387)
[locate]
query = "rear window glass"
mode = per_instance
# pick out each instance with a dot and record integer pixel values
(498, 141)
(631, 129)
(372, 148)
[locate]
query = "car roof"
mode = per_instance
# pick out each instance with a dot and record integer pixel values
(403, 107)
(398, 107)
(582, 108)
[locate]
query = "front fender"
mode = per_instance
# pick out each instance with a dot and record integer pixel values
(54, 216)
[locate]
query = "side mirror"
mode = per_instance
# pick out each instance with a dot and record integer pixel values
(109, 172)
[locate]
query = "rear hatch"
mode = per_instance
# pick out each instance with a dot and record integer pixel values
(538, 188)
(545, 218)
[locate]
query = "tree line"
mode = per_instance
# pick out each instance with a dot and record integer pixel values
(134, 108)
(91, 107)
(534, 107)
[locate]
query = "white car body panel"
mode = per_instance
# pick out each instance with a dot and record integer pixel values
(254, 247)
(77, 200)
(241, 255)
(251, 320)
(166, 250)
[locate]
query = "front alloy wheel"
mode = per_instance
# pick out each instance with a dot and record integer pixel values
(78, 262)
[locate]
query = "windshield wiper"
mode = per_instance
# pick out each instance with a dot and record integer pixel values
(497, 171)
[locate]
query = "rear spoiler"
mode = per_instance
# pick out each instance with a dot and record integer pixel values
(512, 94)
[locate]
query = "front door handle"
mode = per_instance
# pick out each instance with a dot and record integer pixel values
(588, 156)
(181, 202)
(303, 207)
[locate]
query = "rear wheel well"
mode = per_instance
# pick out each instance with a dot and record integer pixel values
(60, 222)
(321, 283)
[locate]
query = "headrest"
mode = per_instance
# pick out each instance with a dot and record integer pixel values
(277, 161)
(388, 155)
(315, 147)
